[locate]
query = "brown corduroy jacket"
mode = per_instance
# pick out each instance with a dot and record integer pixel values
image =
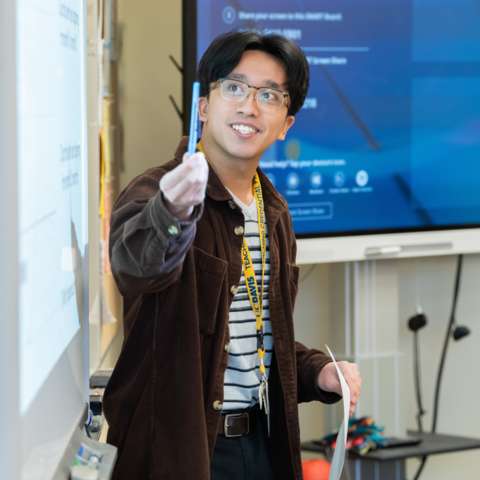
(163, 402)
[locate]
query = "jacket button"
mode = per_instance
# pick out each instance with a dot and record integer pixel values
(231, 205)
(238, 230)
(173, 230)
(234, 289)
(217, 405)
(227, 347)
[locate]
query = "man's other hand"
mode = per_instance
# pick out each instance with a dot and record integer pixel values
(329, 382)
(184, 187)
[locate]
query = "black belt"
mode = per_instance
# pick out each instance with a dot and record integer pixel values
(238, 424)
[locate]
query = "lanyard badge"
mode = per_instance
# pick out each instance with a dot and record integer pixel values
(256, 297)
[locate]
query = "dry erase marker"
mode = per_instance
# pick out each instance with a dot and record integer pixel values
(192, 143)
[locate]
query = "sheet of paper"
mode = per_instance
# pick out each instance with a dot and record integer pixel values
(340, 447)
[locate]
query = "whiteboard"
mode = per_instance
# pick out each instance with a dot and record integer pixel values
(46, 332)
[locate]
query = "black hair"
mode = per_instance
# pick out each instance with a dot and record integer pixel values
(226, 51)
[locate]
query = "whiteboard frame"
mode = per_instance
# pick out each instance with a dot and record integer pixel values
(9, 275)
(391, 245)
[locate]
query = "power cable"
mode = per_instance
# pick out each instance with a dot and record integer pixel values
(451, 323)
(445, 345)
(418, 382)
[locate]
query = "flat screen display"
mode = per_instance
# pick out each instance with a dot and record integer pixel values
(388, 139)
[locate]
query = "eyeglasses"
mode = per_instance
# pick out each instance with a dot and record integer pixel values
(236, 91)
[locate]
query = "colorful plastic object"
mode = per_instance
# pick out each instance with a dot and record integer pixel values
(316, 470)
(363, 435)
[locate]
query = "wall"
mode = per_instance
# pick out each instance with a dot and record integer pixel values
(312, 328)
(426, 281)
(430, 281)
(151, 31)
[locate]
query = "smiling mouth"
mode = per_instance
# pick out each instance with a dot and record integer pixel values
(244, 129)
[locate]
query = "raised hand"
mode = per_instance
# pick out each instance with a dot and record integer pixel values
(184, 187)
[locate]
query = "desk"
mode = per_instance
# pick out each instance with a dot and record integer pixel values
(389, 463)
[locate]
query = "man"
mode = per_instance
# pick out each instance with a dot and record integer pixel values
(204, 343)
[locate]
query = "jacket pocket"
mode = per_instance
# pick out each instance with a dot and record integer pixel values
(294, 273)
(210, 273)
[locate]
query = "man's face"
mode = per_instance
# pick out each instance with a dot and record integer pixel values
(220, 115)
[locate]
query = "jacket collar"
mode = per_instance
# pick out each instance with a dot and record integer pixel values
(217, 191)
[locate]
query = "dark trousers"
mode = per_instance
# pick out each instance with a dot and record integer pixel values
(241, 458)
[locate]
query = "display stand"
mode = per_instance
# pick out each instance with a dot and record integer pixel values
(364, 328)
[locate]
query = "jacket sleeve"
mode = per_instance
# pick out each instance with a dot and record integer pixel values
(309, 361)
(309, 365)
(147, 244)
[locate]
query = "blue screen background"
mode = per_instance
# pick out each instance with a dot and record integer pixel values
(389, 136)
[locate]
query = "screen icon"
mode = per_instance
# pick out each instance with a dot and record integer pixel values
(229, 15)
(293, 180)
(339, 179)
(362, 178)
(315, 179)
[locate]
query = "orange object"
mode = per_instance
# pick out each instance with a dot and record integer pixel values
(316, 470)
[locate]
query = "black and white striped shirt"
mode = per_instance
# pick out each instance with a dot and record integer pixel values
(242, 377)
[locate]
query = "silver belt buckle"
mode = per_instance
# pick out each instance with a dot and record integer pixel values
(225, 426)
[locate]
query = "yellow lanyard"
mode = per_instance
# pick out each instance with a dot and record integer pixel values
(256, 299)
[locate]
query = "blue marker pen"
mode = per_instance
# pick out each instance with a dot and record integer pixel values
(192, 143)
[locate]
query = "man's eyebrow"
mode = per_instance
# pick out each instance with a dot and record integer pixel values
(240, 76)
(272, 84)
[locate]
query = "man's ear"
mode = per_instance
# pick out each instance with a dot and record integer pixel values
(203, 109)
(289, 121)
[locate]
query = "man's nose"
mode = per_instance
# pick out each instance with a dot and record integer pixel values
(250, 104)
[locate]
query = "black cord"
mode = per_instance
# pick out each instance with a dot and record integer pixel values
(445, 345)
(312, 268)
(444, 354)
(418, 382)
(419, 471)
